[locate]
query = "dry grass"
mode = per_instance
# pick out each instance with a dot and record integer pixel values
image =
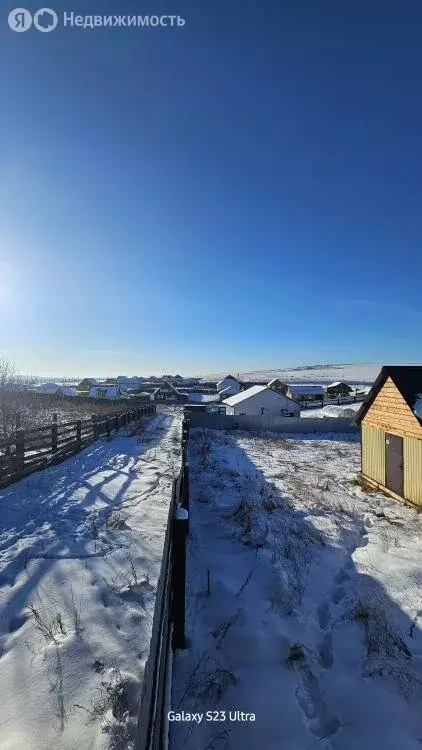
(295, 655)
(50, 628)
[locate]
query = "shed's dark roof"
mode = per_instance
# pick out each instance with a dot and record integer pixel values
(406, 378)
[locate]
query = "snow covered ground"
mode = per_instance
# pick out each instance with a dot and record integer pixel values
(333, 410)
(304, 601)
(80, 553)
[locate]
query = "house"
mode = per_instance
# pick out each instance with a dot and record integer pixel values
(391, 422)
(226, 392)
(86, 384)
(306, 392)
(339, 388)
(167, 393)
(51, 388)
(277, 385)
(67, 390)
(110, 392)
(260, 400)
(128, 382)
(229, 382)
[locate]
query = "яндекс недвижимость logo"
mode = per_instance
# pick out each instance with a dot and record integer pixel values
(44, 19)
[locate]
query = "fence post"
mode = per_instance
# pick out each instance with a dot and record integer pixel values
(78, 434)
(185, 489)
(179, 577)
(20, 450)
(54, 434)
(117, 422)
(107, 421)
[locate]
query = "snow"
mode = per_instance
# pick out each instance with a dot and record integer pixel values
(203, 398)
(243, 395)
(303, 600)
(417, 409)
(81, 544)
(332, 410)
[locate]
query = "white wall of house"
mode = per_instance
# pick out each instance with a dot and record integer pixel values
(266, 402)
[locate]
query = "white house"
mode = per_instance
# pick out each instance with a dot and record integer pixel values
(306, 392)
(260, 400)
(229, 385)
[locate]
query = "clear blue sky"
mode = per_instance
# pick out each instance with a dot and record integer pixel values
(241, 193)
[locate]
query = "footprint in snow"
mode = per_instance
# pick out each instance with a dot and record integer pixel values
(325, 652)
(338, 594)
(323, 615)
(104, 599)
(342, 576)
(311, 702)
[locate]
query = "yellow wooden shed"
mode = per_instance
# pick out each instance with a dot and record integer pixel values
(391, 422)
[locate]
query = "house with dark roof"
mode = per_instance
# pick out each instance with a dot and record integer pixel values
(391, 422)
(306, 392)
(168, 393)
(338, 388)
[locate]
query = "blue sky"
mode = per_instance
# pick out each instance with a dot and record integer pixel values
(241, 193)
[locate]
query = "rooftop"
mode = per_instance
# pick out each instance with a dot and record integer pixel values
(408, 381)
(243, 395)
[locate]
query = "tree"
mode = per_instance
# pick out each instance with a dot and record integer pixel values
(11, 387)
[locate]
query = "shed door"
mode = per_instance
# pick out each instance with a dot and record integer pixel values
(394, 463)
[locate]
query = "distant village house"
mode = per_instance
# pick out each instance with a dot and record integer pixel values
(168, 393)
(260, 400)
(229, 385)
(339, 388)
(277, 385)
(306, 392)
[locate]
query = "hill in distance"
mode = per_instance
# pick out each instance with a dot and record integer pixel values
(363, 374)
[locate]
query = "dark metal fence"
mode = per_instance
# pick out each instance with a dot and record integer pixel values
(335, 400)
(36, 448)
(169, 614)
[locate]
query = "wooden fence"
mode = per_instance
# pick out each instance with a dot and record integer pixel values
(169, 614)
(36, 448)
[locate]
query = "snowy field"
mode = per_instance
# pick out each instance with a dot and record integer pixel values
(80, 553)
(318, 374)
(304, 604)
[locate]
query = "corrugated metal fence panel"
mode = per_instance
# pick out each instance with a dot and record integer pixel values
(373, 453)
(273, 423)
(412, 450)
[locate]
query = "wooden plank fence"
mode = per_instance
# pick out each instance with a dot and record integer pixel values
(36, 448)
(168, 629)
